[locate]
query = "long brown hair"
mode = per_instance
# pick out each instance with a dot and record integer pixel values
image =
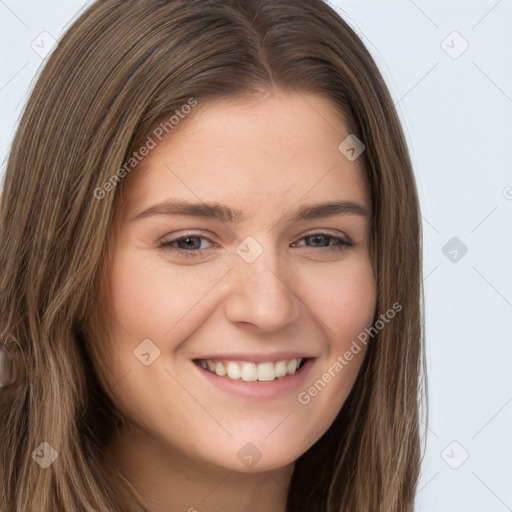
(121, 69)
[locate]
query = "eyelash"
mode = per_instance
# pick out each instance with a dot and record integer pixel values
(341, 245)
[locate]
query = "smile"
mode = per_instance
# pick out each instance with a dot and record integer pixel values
(251, 371)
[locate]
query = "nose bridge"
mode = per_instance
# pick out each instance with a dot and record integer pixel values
(263, 276)
(260, 293)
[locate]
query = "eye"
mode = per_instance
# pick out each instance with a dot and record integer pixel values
(324, 241)
(190, 246)
(187, 246)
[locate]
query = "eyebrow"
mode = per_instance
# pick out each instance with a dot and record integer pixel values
(226, 214)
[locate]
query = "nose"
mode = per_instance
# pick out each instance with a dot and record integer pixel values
(260, 294)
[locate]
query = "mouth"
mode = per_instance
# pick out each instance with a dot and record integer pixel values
(252, 371)
(257, 377)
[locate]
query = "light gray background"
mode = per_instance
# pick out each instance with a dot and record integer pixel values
(456, 108)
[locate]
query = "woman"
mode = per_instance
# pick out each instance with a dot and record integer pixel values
(211, 258)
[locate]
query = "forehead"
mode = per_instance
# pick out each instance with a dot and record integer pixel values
(259, 152)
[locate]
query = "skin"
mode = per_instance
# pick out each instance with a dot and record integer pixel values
(266, 156)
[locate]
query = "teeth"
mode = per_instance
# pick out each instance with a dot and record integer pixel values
(266, 372)
(251, 372)
(280, 369)
(233, 371)
(291, 366)
(220, 370)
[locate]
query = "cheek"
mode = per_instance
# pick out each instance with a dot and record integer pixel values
(344, 304)
(151, 297)
(343, 299)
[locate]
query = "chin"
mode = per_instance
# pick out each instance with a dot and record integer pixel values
(258, 453)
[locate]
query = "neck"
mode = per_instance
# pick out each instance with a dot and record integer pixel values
(165, 480)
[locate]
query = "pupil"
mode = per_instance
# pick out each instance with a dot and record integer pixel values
(189, 242)
(317, 238)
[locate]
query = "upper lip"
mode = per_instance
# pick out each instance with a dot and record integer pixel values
(255, 358)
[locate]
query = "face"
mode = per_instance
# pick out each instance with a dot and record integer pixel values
(239, 276)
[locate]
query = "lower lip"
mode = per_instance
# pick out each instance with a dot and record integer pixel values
(273, 389)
